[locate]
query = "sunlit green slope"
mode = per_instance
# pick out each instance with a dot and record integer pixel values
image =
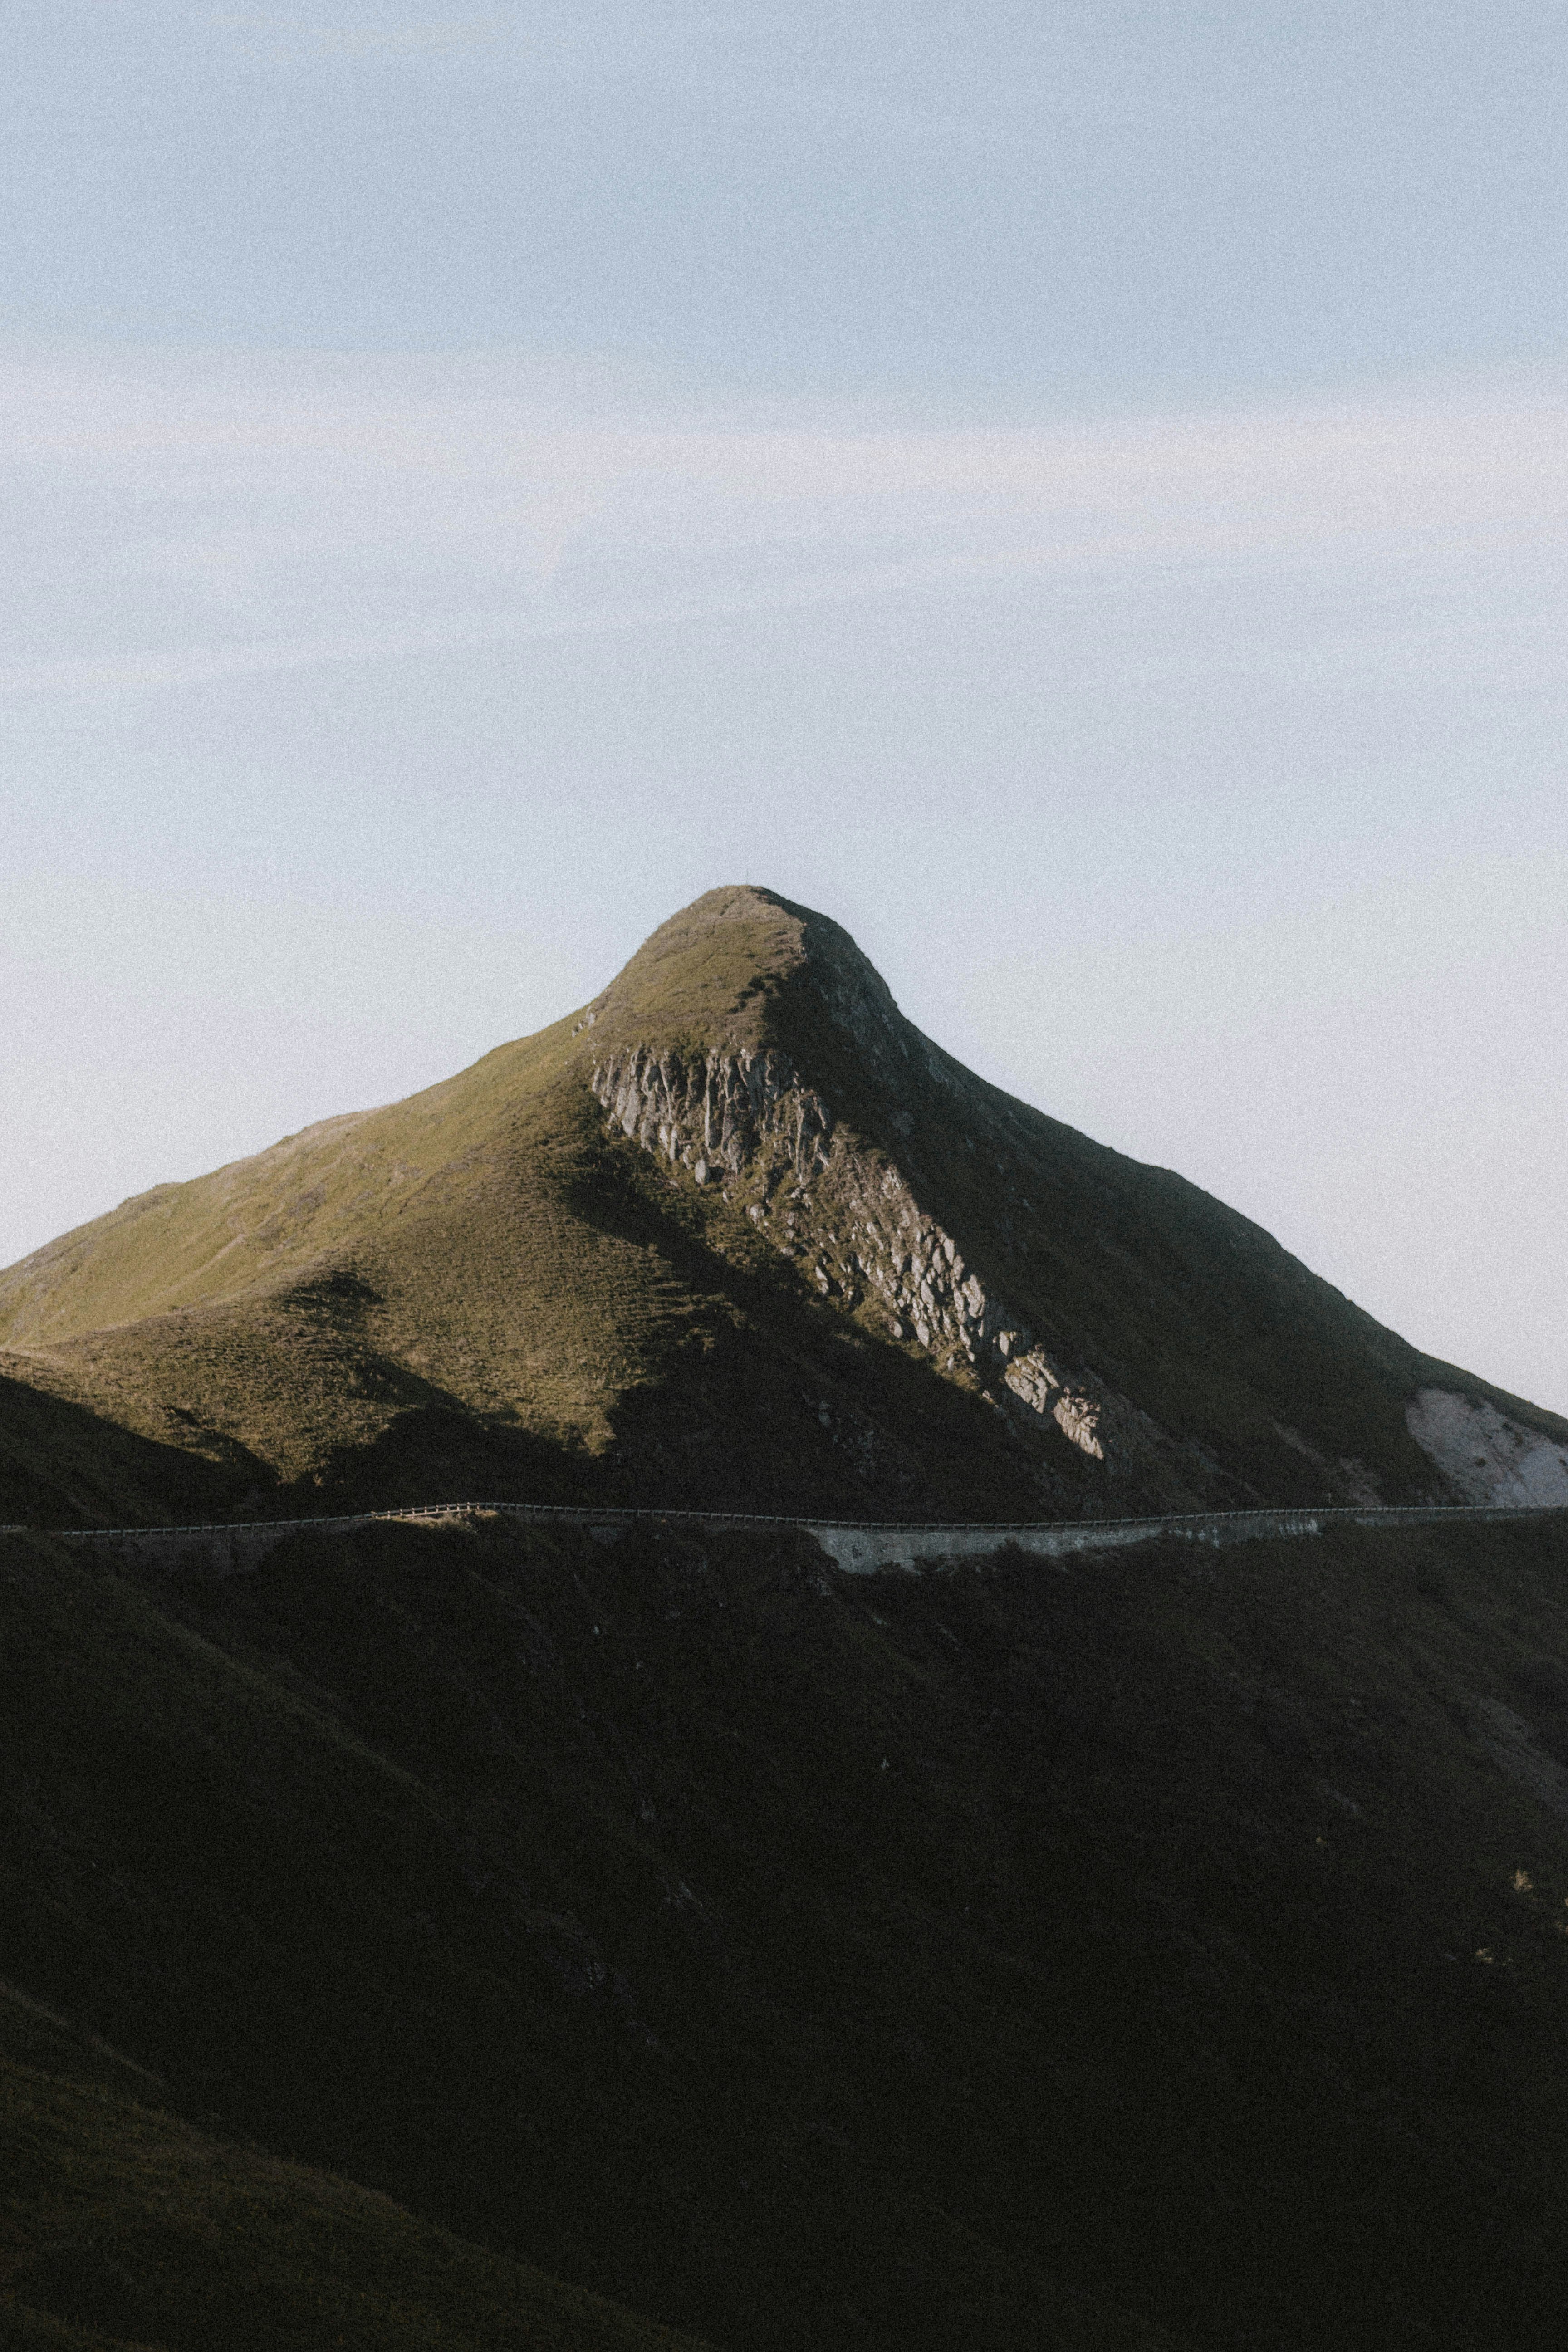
(736, 1234)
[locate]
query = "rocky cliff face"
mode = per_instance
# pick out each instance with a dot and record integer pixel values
(747, 1123)
(1186, 1359)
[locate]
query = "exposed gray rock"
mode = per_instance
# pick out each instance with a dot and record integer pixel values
(748, 1114)
(1490, 1456)
(720, 1110)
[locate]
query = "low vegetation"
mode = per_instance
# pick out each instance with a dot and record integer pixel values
(490, 1289)
(474, 1933)
(1164, 1949)
(122, 2227)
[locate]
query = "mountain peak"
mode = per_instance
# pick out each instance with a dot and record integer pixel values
(738, 1232)
(743, 967)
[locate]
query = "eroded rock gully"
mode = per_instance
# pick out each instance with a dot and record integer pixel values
(745, 1122)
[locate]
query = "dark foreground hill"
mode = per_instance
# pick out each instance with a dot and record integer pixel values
(1162, 1950)
(122, 2225)
(736, 1235)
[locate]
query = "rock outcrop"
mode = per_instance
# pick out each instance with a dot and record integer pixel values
(747, 1122)
(1488, 1455)
(716, 1115)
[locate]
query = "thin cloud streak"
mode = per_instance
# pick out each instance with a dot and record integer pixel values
(185, 523)
(1538, 646)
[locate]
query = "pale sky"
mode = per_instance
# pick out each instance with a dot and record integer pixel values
(1079, 494)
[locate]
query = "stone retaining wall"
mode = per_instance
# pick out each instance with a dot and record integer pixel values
(858, 1547)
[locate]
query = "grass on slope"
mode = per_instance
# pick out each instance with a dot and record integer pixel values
(482, 1286)
(122, 2224)
(565, 1326)
(1032, 1955)
(265, 1221)
(63, 1465)
(262, 1220)
(345, 1893)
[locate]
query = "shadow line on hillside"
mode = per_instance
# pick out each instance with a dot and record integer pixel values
(64, 1464)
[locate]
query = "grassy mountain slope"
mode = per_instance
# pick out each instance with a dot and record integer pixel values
(736, 1234)
(121, 2225)
(64, 1464)
(1166, 1950)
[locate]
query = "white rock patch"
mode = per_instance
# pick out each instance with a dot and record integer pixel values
(1490, 1458)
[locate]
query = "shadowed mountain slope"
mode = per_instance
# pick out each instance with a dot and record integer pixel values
(736, 1234)
(124, 2229)
(1164, 1949)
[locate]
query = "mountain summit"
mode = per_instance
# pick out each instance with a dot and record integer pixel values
(735, 1233)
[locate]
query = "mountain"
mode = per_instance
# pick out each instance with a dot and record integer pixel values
(734, 1234)
(593, 1936)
